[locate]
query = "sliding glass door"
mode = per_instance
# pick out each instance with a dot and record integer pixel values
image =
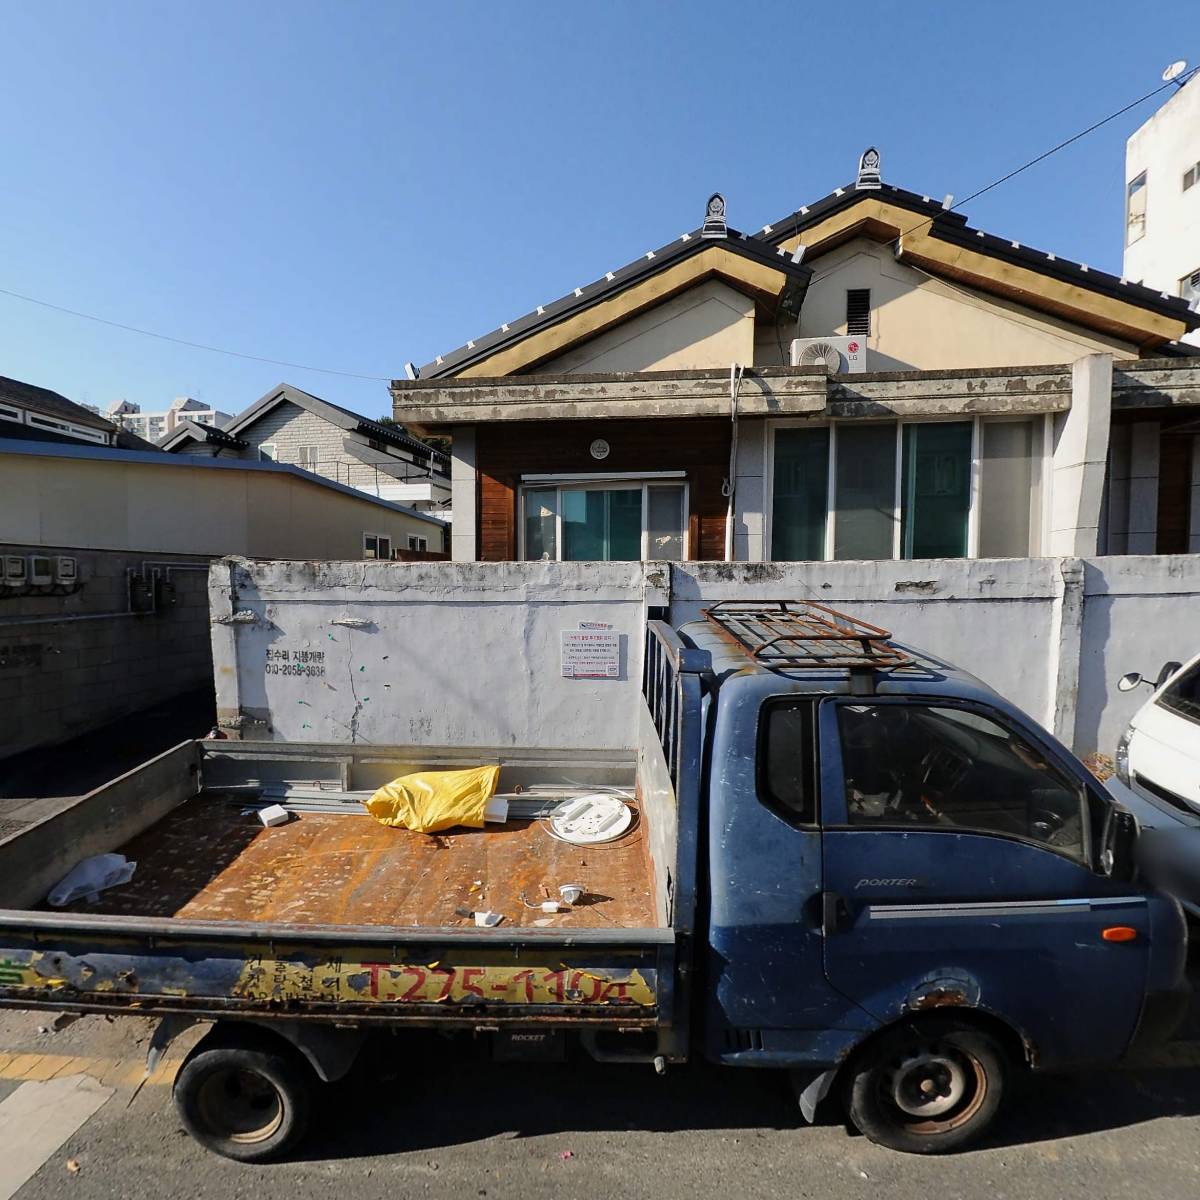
(603, 525)
(617, 521)
(937, 489)
(907, 489)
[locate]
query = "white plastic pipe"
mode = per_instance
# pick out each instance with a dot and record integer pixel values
(735, 386)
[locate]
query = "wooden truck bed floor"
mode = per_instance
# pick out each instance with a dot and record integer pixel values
(208, 861)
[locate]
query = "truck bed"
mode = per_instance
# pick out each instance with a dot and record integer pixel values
(212, 860)
(335, 918)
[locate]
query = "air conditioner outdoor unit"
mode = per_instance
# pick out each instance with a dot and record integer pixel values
(835, 354)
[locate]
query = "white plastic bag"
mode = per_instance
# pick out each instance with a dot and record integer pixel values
(90, 877)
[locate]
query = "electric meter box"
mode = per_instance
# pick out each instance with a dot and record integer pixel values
(40, 572)
(66, 570)
(15, 571)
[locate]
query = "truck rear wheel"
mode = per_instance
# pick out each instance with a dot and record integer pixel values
(243, 1096)
(927, 1086)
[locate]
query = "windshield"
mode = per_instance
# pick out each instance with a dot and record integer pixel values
(1183, 694)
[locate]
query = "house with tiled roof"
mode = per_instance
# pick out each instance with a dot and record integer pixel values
(32, 413)
(292, 426)
(869, 377)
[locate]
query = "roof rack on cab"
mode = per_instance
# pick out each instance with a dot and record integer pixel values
(804, 634)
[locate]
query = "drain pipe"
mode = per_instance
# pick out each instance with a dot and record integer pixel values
(729, 486)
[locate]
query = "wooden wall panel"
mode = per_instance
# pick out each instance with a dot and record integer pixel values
(1174, 492)
(506, 451)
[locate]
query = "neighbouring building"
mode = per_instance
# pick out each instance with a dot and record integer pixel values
(1162, 197)
(154, 426)
(36, 413)
(869, 377)
(104, 557)
(290, 426)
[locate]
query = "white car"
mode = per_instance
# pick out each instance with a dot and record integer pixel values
(1158, 755)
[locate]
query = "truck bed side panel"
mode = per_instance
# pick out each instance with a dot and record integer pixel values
(34, 860)
(440, 976)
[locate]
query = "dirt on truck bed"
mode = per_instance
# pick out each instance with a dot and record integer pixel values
(209, 860)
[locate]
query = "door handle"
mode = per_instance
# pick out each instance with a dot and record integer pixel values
(835, 913)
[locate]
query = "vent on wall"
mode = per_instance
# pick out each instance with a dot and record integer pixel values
(1189, 288)
(858, 312)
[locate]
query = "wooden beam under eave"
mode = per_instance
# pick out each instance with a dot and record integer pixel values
(758, 278)
(917, 245)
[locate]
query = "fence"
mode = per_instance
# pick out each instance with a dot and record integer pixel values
(439, 652)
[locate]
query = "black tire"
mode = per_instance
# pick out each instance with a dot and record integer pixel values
(244, 1095)
(927, 1086)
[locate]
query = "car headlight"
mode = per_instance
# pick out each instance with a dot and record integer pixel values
(1122, 757)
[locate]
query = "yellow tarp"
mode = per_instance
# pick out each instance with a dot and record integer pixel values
(432, 800)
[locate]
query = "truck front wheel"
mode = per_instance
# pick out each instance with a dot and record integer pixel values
(927, 1086)
(244, 1097)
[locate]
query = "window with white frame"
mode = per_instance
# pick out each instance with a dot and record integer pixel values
(267, 452)
(604, 519)
(376, 545)
(907, 489)
(417, 543)
(67, 427)
(307, 457)
(1135, 209)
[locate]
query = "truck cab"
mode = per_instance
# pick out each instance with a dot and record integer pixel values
(904, 868)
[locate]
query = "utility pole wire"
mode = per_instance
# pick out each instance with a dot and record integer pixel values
(278, 362)
(163, 337)
(1033, 162)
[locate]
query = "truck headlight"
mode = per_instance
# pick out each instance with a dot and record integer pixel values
(1122, 757)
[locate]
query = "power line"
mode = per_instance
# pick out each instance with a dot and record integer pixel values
(164, 337)
(1033, 162)
(278, 362)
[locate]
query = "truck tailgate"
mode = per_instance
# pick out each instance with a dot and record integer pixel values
(94, 963)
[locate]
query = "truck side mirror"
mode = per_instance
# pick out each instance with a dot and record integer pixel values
(1168, 669)
(1120, 838)
(1128, 682)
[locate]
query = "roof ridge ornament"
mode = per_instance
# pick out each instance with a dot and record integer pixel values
(714, 217)
(868, 171)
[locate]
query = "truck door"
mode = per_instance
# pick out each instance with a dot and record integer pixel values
(958, 850)
(768, 997)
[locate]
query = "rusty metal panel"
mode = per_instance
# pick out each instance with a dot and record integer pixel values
(462, 981)
(209, 861)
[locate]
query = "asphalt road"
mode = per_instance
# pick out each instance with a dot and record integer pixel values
(420, 1121)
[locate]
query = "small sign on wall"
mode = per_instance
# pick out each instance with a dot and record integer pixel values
(593, 651)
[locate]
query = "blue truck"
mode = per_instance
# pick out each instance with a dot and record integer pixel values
(848, 860)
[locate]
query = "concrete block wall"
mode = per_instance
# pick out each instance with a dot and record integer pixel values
(469, 653)
(70, 663)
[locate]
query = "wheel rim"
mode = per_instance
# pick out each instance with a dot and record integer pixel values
(241, 1106)
(934, 1087)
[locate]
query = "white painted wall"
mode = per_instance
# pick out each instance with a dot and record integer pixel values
(922, 323)
(1164, 147)
(709, 325)
(469, 653)
(451, 653)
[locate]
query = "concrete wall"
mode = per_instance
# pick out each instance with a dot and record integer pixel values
(710, 325)
(423, 653)
(181, 506)
(71, 663)
(922, 323)
(469, 653)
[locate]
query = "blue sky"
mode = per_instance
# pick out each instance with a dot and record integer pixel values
(353, 185)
